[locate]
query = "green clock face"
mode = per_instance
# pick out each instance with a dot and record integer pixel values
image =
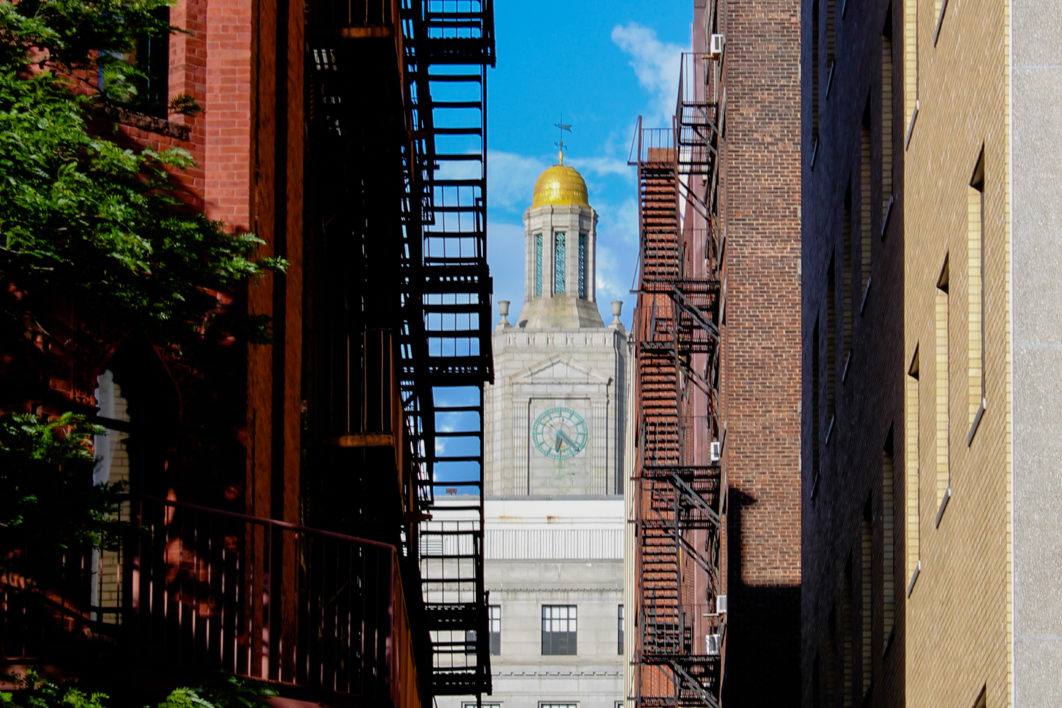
(559, 433)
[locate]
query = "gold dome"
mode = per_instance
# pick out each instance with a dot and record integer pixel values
(560, 184)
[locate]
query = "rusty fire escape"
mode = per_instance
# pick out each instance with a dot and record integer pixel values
(681, 485)
(440, 50)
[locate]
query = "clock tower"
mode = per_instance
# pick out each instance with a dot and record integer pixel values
(556, 433)
(555, 416)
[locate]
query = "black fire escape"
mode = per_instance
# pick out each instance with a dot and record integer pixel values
(439, 51)
(681, 486)
(447, 348)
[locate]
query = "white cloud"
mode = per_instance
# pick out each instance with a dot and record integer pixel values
(511, 179)
(614, 278)
(602, 166)
(656, 65)
(619, 223)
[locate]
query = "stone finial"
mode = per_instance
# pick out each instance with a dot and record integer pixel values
(503, 310)
(617, 310)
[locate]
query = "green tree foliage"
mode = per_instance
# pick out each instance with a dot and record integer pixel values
(48, 503)
(223, 692)
(83, 216)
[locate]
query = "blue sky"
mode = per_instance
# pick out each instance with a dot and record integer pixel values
(597, 66)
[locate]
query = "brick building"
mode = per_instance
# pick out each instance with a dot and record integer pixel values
(285, 486)
(930, 351)
(716, 515)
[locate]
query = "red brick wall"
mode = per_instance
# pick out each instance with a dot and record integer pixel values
(761, 374)
(227, 100)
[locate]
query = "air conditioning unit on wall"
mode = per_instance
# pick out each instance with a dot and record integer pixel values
(715, 46)
(713, 644)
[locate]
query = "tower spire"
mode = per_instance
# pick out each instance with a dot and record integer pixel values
(560, 143)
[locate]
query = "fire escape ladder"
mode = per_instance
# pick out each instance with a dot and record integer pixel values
(690, 685)
(693, 503)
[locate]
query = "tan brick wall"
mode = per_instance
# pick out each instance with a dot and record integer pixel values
(958, 611)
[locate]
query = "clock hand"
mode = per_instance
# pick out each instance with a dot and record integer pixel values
(562, 435)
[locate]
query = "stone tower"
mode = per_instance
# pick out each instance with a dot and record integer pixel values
(554, 419)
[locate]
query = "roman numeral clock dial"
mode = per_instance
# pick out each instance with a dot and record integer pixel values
(559, 433)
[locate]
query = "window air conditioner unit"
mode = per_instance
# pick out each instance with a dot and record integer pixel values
(712, 643)
(715, 46)
(720, 604)
(715, 451)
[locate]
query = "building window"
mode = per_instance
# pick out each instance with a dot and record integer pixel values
(558, 705)
(866, 543)
(582, 265)
(886, 122)
(888, 533)
(831, 43)
(148, 91)
(495, 629)
(910, 61)
(865, 244)
(153, 61)
(847, 282)
(913, 488)
(847, 640)
(816, 71)
(816, 406)
(484, 704)
(975, 278)
(559, 629)
(943, 356)
(619, 629)
(558, 262)
(538, 265)
(831, 348)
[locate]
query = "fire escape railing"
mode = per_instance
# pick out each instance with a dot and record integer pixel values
(681, 485)
(209, 587)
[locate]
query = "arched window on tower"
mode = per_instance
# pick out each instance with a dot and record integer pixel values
(582, 265)
(538, 265)
(558, 263)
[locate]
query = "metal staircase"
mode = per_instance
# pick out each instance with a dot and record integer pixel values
(680, 485)
(436, 79)
(449, 44)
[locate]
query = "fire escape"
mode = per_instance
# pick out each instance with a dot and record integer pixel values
(681, 486)
(440, 50)
(447, 346)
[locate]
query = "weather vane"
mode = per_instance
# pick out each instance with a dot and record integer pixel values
(560, 143)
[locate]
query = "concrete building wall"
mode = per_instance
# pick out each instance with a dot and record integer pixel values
(560, 552)
(1035, 84)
